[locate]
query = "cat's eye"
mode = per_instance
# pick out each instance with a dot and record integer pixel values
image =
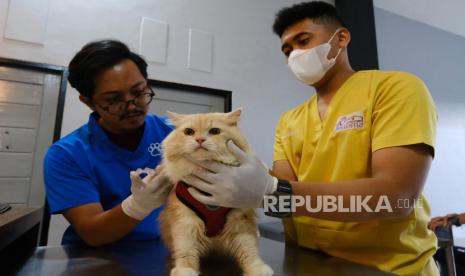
(189, 131)
(214, 131)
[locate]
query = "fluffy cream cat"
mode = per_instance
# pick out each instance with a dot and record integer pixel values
(204, 137)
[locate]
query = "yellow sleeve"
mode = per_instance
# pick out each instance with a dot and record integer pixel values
(279, 153)
(403, 113)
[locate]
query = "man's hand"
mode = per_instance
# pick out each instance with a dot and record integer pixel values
(237, 187)
(98, 227)
(147, 194)
(445, 221)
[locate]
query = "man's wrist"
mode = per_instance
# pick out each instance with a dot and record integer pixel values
(274, 186)
(132, 209)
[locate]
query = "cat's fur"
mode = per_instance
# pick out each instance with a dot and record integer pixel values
(182, 230)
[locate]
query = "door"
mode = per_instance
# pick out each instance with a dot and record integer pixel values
(28, 109)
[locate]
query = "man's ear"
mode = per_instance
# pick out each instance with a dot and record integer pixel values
(87, 101)
(344, 38)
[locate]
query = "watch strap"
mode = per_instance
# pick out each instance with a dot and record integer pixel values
(283, 194)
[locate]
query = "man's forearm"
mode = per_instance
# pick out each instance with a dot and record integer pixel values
(348, 196)
(101, 228)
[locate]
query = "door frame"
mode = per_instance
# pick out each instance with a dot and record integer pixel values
(226, 94)
(56, 70)
(45, 68)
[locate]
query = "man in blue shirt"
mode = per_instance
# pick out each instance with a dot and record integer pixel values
(90, 174)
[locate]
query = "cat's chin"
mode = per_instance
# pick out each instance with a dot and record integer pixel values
(201, 155)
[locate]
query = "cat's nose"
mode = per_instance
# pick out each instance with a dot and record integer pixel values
(200, 140)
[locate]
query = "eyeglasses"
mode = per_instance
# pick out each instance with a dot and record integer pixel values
(119, 107)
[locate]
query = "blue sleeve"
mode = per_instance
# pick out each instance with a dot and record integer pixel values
(166, 121)
(66, 184)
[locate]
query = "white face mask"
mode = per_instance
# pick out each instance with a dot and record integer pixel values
(310, 65)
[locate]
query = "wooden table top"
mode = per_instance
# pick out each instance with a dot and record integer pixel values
(16, 221)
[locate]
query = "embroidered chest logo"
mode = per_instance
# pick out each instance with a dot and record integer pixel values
(351, 121)
(155, 149)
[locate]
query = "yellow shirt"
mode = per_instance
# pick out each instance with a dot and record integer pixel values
(370, 111)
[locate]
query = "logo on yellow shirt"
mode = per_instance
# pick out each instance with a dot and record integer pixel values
(351, 121)
(155, 149)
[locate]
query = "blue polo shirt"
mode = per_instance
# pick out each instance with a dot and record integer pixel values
(86, 167)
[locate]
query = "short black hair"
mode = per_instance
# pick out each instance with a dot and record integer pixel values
(319, 12)
(95, 57)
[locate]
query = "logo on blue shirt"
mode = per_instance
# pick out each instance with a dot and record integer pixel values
(155, 149)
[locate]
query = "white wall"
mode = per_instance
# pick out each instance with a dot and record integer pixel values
(247, 59)
(446, 15)
(435, 55)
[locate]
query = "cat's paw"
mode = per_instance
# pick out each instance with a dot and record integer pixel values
(183, 271)
(259, 270)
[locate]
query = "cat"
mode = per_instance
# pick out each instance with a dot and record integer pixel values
(204, 137)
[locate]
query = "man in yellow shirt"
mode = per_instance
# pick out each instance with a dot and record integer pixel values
(354, 157)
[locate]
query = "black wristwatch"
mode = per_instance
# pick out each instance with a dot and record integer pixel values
(283, 194)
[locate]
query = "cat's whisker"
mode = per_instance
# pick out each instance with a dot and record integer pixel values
(211, 146)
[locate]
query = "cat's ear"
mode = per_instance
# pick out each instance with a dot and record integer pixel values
(233, 116)
(174, 118)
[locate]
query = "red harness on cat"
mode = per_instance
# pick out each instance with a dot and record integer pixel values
(214, 217)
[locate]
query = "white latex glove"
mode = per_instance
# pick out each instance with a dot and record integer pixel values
(243, 186)
(147, 194)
